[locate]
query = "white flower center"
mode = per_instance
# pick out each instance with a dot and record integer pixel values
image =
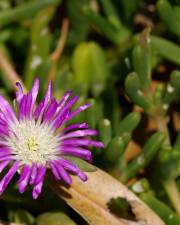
(32, 142)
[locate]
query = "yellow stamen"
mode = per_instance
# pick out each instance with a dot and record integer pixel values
(32, 144)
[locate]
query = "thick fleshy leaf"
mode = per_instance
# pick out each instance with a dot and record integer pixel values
(54, 218)
(22, 217)
(83, 165)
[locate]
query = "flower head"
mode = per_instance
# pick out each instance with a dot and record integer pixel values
(35, 139)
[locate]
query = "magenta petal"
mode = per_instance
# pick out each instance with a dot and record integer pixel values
(4, 152)
(26, 106)
(77, 151)
(3, 121)
(64, 99)
(22, 108)
(4, 130)
(59, 120)
(33, 174)
(63, 113)
(75, 126)
(7, 111)
(68, 106)
(19, 93)
(73, 168)
(2, 118)
(80, 109)
(82, 176)
(8, 177)
(39, 110)
(62, 172)
(50, 110)
(79, 133)
(55, 170)
(4, 149)
(43, 104)
(41, 171)
(48, 94)
(3, 165)
(6, 157)
(39, 181)
(34, 90)
(37, 189)
(83, 142)
(29, 106)
(24, 178)
(71, 102)
(69, 166)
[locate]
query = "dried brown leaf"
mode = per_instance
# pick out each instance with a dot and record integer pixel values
(90, 200)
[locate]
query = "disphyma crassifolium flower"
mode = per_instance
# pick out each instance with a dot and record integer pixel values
(36, 139)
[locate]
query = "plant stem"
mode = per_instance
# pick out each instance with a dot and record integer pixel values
(61, 42)
(170, 185)
(162, 126)
(9, 71)
(172, 191)
(59, 49)
(164, 211)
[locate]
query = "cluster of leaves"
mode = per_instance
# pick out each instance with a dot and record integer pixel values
(123, 56)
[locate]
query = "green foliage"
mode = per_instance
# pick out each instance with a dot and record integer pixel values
(166, 49)
(133, 89)
(40, 45)
(90, 67)
(25, 10)
(21, 216)
(129, 123)
(121, 56)
(148, 153)
(106, 131)
(54, 218)
(83, 165)
(168, 16)
(116, 147)
(121, 206)
(142, 60)
(166, 213)
(79, 26)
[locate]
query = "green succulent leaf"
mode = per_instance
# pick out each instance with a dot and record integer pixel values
(129, 123)
(166, 49)
(25, 10)
(116, 147)
(22, 216)
(83, 165)
(54, 218)
(166, 213)
(148, 152)
(168, 16)
(106, 131)
(141, 56)
(90, 66)
(133, 88)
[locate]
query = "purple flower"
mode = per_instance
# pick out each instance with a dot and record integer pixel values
(35, 139)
